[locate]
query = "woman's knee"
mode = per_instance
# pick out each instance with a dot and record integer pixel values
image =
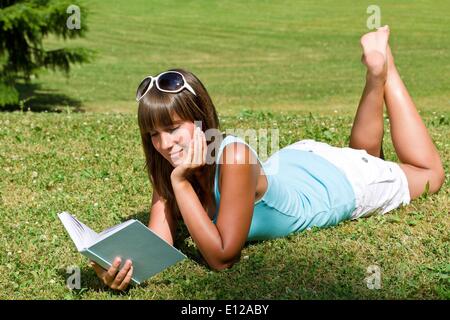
(437, 179)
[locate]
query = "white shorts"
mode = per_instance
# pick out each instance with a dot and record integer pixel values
(380, 186)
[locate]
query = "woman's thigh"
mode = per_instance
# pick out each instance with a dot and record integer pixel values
(418, 178)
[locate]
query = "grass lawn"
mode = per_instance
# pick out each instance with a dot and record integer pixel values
(266, 65)
(257, 54)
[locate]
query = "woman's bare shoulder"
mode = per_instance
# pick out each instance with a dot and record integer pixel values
(238, 163)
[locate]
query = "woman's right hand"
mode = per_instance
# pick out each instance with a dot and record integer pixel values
(113, 278)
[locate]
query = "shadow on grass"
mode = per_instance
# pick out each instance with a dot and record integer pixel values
(88, 279)
(38, 99)
(275, 275)
(91, 283)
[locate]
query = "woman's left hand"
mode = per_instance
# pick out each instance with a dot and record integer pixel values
(195, 158)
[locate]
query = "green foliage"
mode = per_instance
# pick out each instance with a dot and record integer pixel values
(23, 27)
(8, 94)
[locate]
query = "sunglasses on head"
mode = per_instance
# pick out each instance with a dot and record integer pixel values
(168, 81)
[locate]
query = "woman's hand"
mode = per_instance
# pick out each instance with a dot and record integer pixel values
(113, 278)
(195, 158)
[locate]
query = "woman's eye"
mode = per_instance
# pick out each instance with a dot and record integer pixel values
(169, 130)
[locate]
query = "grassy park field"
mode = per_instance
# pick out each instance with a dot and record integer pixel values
(290, 65)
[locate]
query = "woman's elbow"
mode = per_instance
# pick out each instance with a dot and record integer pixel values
(220, 266)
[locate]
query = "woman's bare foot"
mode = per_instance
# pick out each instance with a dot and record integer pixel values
(374, 56)
(390, 59)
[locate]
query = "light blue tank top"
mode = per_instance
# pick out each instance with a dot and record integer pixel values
(304, 190)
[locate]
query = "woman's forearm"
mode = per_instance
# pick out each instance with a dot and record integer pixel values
(203, 231)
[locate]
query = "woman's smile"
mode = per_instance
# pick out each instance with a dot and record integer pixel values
(176, 154)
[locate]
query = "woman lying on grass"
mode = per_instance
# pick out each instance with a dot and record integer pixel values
(232, 199)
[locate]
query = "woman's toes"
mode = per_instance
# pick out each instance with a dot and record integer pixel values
(383, 28)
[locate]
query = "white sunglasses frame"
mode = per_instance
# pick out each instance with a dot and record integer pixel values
(155, 80)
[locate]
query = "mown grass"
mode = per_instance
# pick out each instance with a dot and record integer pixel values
(293, 66)
(92, 165)
(255, 54)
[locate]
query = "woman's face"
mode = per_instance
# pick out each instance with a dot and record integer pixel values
(172, 142)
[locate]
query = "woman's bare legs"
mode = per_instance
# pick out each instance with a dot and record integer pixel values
(367, 131)
(418, 155)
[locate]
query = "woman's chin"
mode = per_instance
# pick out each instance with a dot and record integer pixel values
(176, 162)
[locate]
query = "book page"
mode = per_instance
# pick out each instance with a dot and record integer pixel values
(81, 235)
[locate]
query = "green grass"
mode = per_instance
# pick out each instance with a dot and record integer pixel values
(254, 54)
(292, 59)
(92, 165)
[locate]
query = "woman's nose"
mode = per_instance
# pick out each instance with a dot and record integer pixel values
(166, 140)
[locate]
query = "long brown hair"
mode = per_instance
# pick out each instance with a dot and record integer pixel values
(156, 109)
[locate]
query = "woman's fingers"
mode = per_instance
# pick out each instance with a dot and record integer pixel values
(200, 149)
(188, 159)
(205, 148)
(113, 278)
(196, 146)
(127, 280)
(196, 155)
(112, 271)
(98, 269)
(121, 275)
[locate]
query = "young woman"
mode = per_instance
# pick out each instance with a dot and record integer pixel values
(232, 199)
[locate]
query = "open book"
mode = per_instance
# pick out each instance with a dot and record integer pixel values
(129, 240)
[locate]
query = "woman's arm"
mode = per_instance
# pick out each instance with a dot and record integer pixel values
(221, 244)
(162, 221)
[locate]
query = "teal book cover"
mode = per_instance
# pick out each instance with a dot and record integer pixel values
(132, 240)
